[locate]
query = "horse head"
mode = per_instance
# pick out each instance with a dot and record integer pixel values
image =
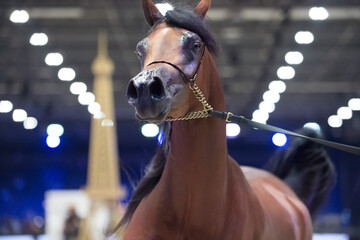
(170, 57)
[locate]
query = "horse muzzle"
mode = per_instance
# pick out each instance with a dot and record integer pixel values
(147, 94)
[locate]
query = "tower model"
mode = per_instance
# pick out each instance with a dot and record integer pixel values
(103, 185)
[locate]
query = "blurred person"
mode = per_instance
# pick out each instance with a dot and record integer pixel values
(30, 227)
(72, 224)
(10, 226)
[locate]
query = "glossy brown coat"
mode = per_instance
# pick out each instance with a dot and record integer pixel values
(203, 193)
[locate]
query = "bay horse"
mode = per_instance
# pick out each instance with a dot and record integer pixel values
(192, 188)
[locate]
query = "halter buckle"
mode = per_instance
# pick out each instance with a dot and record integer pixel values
(229, 114)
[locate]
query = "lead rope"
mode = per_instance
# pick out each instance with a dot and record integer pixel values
(229, 117)
(199, 114)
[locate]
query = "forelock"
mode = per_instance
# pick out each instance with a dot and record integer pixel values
(186, 19)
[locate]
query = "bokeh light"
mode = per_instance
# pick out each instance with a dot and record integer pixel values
(232, 130)
(277, 86)
(86, 98)
(313, 125)
(5, 106)
(344, 113)
(335, 121)
(94, 107)
(318, 13)
(304, 37)
(55, 130)
(268, 107)
(19, 16)
(286, 72)
(270, 96)
(39, 39)
(54, 59)
(149, 130)
(279, 139)
(78, 88)
(19, 115)
(354, 104)
(66, 74)
(260, 116)
(164, 7)
(53, 141)
(294, 57)
(30, 123)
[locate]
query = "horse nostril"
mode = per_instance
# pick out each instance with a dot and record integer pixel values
(132, 93)
(156, 89)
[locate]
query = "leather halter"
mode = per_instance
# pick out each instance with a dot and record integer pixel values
(188, 80)
(195, 89)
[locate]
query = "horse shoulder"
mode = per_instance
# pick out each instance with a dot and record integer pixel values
(281, 205)
(243, 203)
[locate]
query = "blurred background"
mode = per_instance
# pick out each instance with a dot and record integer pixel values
(284, 62)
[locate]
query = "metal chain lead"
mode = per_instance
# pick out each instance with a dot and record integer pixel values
(199, 114)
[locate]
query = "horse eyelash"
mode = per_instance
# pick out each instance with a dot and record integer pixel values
(138, 54)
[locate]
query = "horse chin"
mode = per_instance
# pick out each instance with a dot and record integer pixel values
(155, 120)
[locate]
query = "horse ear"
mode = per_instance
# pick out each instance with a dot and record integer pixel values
(151, 12)
(202, 7)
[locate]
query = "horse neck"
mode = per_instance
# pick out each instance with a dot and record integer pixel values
(200, 145)
(196, 170)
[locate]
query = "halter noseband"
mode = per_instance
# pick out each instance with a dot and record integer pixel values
(189, 80)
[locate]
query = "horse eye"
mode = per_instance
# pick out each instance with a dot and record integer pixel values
(196, 46)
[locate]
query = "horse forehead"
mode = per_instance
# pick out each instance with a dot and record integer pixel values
(170, 34)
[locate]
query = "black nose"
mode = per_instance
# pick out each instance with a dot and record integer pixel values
(147, 93)
(132, 91)
(156, 89)
(146, 90)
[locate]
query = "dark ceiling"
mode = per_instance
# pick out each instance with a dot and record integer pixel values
(254, 36)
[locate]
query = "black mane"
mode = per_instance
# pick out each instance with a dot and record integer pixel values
(186, 19)
(151, 178)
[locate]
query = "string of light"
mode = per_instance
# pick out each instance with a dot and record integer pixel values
(67, 74)
(18, 115)
(344, 113)
(286, 73)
